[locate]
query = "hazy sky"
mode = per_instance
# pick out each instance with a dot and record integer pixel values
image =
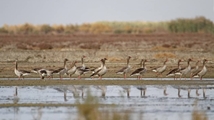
(83, 11)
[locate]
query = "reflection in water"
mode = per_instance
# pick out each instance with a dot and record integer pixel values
(188, 88)
(142, 89)
(37, 113)
(164, 89)
(127, 89)
(15, 97)
(103, 88)
(62, 88)
(77, 89)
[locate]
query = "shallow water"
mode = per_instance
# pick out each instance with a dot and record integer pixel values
(154, 105)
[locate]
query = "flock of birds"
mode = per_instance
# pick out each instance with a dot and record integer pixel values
(102, 70)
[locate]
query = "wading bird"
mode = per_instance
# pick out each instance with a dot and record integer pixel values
(63, 70)
(160, 70)
(102, 71)
(140, 71)
(203, 71)
(173, 71)
(125, 69)
(20, 73)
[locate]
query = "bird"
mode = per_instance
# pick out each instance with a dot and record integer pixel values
(63, 70)
(194, 69)
(185, 70)
(83, 65)
(125, 69)
(72, 69)
(20, 73)
(160, 70)
(102, 71)
(43, 72)
(173, 71)
(81, 70)
(138, 72)
(203, 71)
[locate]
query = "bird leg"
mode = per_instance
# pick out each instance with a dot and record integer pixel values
(189, 90)
(204, 90)
(197, 92)
(144, 92)
(141, 93)
(65, 97)
(179, 95)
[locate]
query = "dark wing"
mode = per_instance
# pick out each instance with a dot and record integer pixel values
(43, 72)
(195, 73)
(96, 72)
(173, 71)
(121, 70)
(58, 70)
(138, 71)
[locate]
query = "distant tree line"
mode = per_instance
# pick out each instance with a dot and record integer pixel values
(195, 25)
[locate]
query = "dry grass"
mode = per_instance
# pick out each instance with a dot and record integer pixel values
(198, 115)
(91, 110)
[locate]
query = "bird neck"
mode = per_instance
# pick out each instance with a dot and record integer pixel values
(204, 62)
(103, 62)
(16, 65)
(179, 64)
(128, 61)
(82, 60)
(65, 64)
(144, 65)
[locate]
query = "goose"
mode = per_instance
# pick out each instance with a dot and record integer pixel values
(138, 72)
(160, 70)
(194, 69)
(20, 73)
(63, 70)
(203, 71)
(102, 71)
(173, 71)
(72, 69)
(186, 70)
(125, 69)
(98, 68)
(43, 72)
(83, 65)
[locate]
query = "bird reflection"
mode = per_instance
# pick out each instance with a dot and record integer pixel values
(103, 89)
(62, 88)
(127, 88)
(38, 114)
(15, 101)
(142, 89)
(188, 88)
(77, 89)
(15, 97)
(164, 89)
